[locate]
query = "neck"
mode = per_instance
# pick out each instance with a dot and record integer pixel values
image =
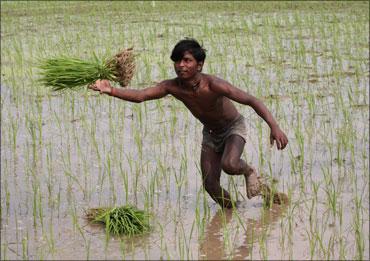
(192, 83)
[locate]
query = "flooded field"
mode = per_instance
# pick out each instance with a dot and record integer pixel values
(62, 153)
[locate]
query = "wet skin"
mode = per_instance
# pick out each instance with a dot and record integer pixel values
(209, 99)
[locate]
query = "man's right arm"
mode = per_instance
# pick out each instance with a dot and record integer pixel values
(132, 95)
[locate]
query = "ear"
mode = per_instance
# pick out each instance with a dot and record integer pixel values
(200, 66)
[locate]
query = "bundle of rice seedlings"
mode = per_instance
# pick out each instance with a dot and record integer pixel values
(124, 220)
(123, 64)
(64, 73)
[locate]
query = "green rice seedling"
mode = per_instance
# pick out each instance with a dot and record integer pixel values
(16, 230)
(63, 72)
(124, 176)
(357, 226)
(188, 253)
(34, 205)
(342, 247)
(25, 248)
(7, 196)
(122, 249)
(111, 182)
(4, 248)
(180, 246)
(40, 210)
(87, 247)
(51, 238)
(124, 220)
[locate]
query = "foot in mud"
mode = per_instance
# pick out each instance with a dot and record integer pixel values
(277, 197)
(252, 183)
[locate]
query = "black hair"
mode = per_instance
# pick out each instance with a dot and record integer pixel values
(190, 45)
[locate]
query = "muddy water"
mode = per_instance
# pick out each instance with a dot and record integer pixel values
(78, 165)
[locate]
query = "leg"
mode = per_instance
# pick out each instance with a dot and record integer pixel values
(211, 171)
(232, 164)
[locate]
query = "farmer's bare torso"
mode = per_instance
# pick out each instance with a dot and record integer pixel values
(213, 110)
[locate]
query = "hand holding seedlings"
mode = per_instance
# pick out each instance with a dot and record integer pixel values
(209, 99)
(103, 86)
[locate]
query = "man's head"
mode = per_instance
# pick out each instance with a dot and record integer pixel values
(187, 55)
(190, 45)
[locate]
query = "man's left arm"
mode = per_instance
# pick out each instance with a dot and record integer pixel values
(243, 97)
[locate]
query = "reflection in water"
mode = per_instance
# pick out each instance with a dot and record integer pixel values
(212, 246)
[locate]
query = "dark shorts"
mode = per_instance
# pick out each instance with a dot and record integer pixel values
(217, 140)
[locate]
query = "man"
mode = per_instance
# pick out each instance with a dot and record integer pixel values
(209, 99)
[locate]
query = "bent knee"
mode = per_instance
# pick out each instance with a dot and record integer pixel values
(230, 166)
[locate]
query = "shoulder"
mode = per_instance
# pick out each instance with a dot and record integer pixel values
(166, 84)
(170, 85)
(216, 83)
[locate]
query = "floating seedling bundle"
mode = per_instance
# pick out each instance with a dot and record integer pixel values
(63, 73)
(124, 220)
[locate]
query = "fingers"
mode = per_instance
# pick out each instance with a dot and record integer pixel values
(92, 86)
(278, 141)
(283, 142)
(102, 86)
(278, 144)
(95, 86)
(280, 138)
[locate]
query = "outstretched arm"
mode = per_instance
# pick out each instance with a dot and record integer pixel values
(132, 95)
(240, 96)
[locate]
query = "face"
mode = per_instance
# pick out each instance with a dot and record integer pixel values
(187, 67)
